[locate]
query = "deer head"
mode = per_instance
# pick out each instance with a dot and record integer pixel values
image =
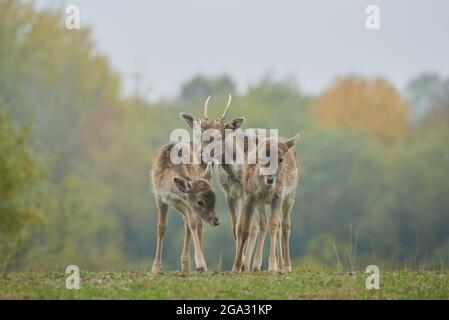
(218, 124)
(199, 195)
(272, 153)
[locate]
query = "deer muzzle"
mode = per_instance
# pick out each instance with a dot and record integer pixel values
(214, 221)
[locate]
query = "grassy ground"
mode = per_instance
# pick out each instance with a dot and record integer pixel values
(300, 284)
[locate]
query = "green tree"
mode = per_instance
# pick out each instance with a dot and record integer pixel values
(421, 91)
(438, 113)
(20, 169)
(57, 79)
(200, 87)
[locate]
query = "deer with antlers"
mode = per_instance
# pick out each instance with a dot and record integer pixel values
(230, 173)
(187, 188)
(229, 177)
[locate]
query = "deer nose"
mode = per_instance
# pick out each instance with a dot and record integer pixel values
(215, 221)
(270, 180)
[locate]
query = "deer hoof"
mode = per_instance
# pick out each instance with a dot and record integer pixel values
(156, 268)
(257, 265)
(201, 269)
(185, 266)
(272, 267)
(280, 268)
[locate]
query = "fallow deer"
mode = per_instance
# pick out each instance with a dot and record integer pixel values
(187, 188)
(277, 189)
(229, 178)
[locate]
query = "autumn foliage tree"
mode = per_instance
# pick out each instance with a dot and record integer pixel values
(371, 104)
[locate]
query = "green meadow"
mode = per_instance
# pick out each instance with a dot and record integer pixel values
(300, 284)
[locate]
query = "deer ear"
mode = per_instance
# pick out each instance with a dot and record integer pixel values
(292, 141)
(188, 118)
(208, 172)
(236, 123)
(182, 184)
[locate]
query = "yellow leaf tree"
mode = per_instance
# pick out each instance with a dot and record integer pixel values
(371, 104)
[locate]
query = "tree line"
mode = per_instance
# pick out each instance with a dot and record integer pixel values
(76, 155)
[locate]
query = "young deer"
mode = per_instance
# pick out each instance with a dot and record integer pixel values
(232, 182)
(275, 188)
(187, 188)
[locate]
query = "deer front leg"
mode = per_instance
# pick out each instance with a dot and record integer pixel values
(200, 262)
(162, 209)
(274, 226)
(200, 233)
(287, 265)
(243, 232)
(232, 204)
(286, 229)
(254, 230)
(257, 264)
(280, 258)
(185, 256)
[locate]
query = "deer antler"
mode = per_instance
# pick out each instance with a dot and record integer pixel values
(206, 105)
(225, 112)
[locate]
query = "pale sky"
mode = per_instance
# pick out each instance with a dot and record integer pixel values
(169, 41)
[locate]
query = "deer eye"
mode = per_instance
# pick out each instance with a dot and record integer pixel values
(200, 203)
(280, 160)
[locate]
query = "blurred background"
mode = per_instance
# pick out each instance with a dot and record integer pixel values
(83, 111)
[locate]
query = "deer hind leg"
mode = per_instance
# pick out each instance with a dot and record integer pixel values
(194, 222)
(232, 204)
(286, 229)
(243, 233)
(162, 209)
(257, 263)
(254, 230)
(185, 256)
(274, 227)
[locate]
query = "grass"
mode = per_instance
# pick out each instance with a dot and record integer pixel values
(300, 284)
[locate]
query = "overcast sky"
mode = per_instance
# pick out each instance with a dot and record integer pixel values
(169, 41)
